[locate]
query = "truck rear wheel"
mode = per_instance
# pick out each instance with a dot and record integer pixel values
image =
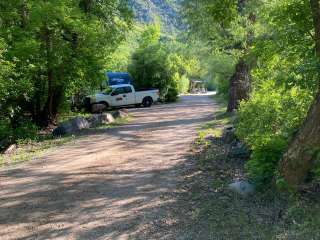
(147, 102)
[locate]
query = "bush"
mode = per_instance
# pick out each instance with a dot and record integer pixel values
(172, 95)
(25, 130)
(157, 64)
(266, 123)
(154, 66)
(183, 84)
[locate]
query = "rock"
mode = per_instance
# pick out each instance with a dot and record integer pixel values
(10, 149)
(94, 120)
(229, 135)
(242, 187)
(240, 151)
(71, 126)
(107, 118)
(98, 108)
(5, 143)
(119, 114)
(100, 119)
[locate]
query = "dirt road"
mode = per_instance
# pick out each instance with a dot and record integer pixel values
(113, 184)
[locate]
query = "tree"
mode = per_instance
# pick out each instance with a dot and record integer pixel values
(155, 64)
(58, 48)
(304, 148)
(227, 26)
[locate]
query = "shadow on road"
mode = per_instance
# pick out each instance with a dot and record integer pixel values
(118, 183)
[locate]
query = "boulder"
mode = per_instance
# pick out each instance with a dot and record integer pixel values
(229, 135)
(98, 108)
(107, 118)
(239, 150)
(94, 120)
(71, 126)
(119, 114)
(5, 143)
(242, 187)
(10, 149)
(100, 119)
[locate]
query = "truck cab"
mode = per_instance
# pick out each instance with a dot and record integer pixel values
(124, 95)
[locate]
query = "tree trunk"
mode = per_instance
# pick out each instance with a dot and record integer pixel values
(240, 82)
(303, 150)
(305, 146)
(46, 116)
(85, 5)
(23, 14)
(315, 8)
(239, 88)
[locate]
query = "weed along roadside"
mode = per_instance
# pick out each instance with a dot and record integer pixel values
(71, 129)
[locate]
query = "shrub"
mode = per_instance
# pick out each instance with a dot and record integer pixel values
(154, 66)
(183, 84)
(25, 130)
(160, 64)
(266, 123)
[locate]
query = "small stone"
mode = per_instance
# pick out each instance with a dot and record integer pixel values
(242, 187)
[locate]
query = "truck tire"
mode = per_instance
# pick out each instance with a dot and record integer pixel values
(96, 107)
(147, 102)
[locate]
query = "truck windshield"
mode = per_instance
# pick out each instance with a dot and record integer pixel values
(108, 90)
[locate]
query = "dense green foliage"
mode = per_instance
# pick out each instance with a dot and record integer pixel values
(276, 39)
(51, 50)
(266, 123)
(285, 81)
(158, 64)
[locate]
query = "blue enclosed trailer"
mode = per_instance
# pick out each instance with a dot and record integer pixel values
(117, 78)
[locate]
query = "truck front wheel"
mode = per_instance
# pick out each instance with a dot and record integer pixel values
(99, 107)
(147, 102)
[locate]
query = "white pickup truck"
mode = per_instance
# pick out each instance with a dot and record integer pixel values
(123, 95)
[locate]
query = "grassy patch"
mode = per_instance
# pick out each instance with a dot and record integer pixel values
(221, 100)
(214, 128)
(31, 149)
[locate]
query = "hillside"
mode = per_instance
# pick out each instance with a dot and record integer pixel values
(166, 11)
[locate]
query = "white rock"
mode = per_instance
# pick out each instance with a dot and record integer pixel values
(242, 187)
(71, 126)
(10, 149)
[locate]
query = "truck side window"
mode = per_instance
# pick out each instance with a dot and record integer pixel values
(118, 91)
(128, 90)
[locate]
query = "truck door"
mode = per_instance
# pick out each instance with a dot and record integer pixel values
(118, 97)
(130, 96)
